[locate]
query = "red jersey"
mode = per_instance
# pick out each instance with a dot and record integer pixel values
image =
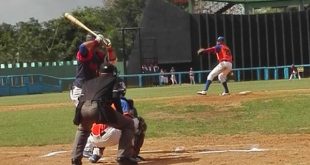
(89, 60)
(293, 68)
(222, 52)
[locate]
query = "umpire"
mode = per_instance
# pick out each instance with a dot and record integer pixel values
(95, 107)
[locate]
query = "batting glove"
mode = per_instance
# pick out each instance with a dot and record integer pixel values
(99, 38)
(108, 43)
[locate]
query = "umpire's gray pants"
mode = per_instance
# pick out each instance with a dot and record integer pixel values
(89, 115)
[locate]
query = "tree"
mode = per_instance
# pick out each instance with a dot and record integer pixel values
(7, 51)
(58, 39)
(28, 45)
(126, 13)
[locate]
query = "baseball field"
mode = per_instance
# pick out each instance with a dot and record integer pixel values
(267, 125)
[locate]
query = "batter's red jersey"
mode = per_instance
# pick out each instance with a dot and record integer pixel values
(89, 61)
(222, 52)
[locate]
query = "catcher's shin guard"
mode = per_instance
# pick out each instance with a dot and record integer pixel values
(140, 135)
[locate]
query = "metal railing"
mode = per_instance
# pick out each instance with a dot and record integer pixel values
(239, 74)
(39, 83)
(29, 84)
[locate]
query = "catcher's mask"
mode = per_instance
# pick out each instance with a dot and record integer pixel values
(121, 87)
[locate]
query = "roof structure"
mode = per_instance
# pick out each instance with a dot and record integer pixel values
(253, 1)
(250, 5)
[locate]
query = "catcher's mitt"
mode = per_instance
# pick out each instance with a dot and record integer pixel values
(200, 51)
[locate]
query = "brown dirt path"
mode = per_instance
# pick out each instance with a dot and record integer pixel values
(292, 149)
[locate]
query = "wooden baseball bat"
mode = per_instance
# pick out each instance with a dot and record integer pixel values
(80, 24)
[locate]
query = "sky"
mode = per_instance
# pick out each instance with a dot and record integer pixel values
(13, 11)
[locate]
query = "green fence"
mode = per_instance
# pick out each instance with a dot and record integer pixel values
(57, 69)
(238, 74)
(41, 83)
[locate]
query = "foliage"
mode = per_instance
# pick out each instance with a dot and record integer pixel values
(265, 10)
(182, 4)
(7, 44)
(58, 39)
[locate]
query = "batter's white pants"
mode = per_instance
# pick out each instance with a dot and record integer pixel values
(109, 138)
(75, 93)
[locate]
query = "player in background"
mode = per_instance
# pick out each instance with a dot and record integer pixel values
(224, 67)
(294, 72)
(191, 76)
(172, 77)
(91, 54)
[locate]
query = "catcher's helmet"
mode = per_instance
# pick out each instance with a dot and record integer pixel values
(108, 68)
(120, 87)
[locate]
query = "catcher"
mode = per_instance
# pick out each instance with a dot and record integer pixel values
(224, 67)
(104, 136)
(95, 107)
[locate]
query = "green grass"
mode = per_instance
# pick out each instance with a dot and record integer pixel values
(44, 125)
(216, 88)
(36, 127)
(277, 116)
(35, 99)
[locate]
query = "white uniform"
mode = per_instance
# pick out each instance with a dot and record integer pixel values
(110, 137)
(221, 70)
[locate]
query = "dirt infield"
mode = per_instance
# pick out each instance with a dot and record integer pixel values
(253, 148)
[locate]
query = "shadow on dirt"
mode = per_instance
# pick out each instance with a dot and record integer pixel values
(168, 160)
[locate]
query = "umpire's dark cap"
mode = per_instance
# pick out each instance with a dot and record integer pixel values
(108, 68)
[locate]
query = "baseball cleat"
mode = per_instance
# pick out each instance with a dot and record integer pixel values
(127, 161)
(76, 162)
(94, 158)
(202, 92)
(139, 158)
(225, 94)
(87, 154)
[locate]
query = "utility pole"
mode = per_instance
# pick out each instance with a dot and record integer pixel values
(301, 5)
(123, 30)
(191, 4)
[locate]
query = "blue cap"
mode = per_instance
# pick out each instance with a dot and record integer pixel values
(220, 38)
